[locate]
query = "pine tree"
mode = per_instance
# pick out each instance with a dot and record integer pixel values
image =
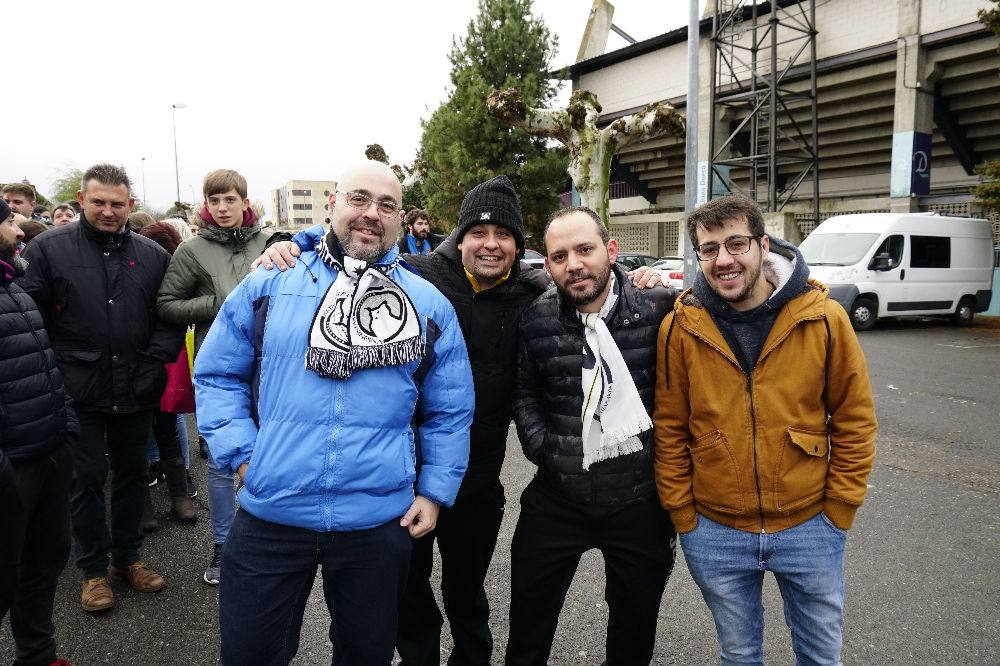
(463, 145)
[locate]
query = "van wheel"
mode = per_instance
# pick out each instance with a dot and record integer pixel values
(965, 312)
(864, 313)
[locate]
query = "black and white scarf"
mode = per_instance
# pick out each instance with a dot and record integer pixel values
(613, 413)
(365, 320)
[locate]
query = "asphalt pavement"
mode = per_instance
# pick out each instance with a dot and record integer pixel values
(923, 569)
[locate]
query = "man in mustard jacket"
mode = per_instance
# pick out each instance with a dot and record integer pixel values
(765, 433)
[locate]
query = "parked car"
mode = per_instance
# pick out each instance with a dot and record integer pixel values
(533, 259)
(671, 270)
(892, 264)
(632, 260)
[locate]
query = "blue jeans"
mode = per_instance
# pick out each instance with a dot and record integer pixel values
(808, 563)
(268, 571)
(221, 501)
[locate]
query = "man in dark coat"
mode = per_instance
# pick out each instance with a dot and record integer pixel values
(95, 283)
(582, 400)
(37, 432)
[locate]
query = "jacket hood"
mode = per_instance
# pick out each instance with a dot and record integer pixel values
(783, 267)
(236, 236)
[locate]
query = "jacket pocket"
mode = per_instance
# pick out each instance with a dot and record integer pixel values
(802, 468)
(81, 373)
(149, 380)
(716, 478)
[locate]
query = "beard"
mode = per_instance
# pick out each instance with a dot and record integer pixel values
(8, 254)
(751, 275)
(587, 297)
(421, 234)
(364, 251)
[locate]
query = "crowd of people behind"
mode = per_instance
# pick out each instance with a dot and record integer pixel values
(353, 386)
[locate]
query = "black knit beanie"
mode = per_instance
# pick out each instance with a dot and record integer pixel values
(4, 211)
(492, 202)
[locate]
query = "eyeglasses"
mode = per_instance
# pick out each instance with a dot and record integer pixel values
(734, 245)
(363, 201)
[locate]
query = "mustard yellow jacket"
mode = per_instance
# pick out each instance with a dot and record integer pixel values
(768, 450)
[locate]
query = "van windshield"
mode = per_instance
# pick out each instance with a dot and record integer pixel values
(836, 249)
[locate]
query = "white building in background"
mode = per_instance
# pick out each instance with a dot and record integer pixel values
(302, 203)
(888, 72)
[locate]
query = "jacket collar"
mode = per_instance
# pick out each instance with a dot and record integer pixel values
(238, 236)
(693, 316)
(106, 240)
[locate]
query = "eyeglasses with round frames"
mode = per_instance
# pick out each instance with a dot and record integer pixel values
(734, 245)
(363, 201)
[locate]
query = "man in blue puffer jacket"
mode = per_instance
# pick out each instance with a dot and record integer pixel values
(307, 385)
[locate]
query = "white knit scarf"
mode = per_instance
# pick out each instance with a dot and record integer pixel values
(364, 321)
(613, 413)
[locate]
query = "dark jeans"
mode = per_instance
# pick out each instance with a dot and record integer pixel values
(118, 440)
(466, 535)
(168, 441)
(267, 574)
(35, 534)
(637, 541)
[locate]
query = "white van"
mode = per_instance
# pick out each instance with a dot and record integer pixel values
(892, 264)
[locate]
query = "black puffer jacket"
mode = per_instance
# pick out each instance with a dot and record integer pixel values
(36, 416)
(548, 396)
(97, 294)
(489, 325)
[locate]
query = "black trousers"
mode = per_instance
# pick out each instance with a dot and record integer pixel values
(117, 441)
(637, 541)
(36, 542)
(466, 535)
(165, 432)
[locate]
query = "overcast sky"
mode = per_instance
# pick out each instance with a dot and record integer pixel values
(277, 90)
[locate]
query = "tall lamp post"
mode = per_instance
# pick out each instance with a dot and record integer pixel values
(177, 172)
(142, 166)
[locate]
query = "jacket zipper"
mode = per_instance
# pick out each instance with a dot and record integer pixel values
(756, 469)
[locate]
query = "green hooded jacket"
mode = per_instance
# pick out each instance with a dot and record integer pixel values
(204, 270)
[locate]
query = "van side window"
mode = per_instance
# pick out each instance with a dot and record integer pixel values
(893, 246)
(930, 252)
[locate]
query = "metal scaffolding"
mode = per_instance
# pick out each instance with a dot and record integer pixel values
(758, 51)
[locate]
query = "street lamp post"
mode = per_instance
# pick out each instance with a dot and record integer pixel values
(142, 165)
(177, 171)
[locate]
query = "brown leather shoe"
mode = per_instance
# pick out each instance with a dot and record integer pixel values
(139, 577)
(96, 595)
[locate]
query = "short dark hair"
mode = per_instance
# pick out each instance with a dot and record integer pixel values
(41, 209)
(715, 213)
(417, 214)
(20, 188)
(106, 174)
(63, 206)
(602, 231)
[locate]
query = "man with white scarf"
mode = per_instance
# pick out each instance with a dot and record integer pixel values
(582, 403)
(313, 385)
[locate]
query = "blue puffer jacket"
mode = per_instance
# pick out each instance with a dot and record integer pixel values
(328, 454)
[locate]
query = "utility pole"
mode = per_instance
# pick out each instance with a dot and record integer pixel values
(177, 171)
(691, 142)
